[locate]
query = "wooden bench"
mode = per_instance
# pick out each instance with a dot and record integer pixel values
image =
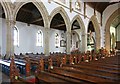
(79, 76)
(100, 66)
(95, 68)
(93, 72)
(54, 78)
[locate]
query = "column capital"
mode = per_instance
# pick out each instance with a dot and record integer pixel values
(68, 32)
(10, 21)
(47, 29)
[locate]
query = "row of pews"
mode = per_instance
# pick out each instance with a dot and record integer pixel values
(86, 72)
(74, 68)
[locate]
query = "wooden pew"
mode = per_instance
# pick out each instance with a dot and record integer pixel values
(93, 72)
(110, 60)
(40, 66)
(51, 78)
(47, 77)
(95, 68)
(15, 75)
(63, 61)
(27, 67)
(14, 72)
(111, 66)
(79, 76)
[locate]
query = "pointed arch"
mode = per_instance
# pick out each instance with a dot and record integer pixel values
(7, 9)
(78, 41)
(97, 30)
(82, 26)
(107, 28)
(63, 14)
(39, 5)
(80, 21)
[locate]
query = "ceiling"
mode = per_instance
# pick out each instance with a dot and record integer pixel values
(58, 22)
(29, 14)
(116, 22)
(75, 25)
(100, 6)
(2, 13)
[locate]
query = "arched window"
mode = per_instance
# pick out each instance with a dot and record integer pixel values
(57, 42)
(16, 36)
(39, 38)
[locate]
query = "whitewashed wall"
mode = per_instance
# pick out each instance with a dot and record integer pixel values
(74, 40)
(52, 41)
(27, 38)
(118, 33)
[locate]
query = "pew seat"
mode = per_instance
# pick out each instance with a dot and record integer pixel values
(48, 77)
(79, 76)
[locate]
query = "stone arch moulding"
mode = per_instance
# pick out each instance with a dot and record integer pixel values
(82, 26)
(80, 21)
(7, 9)
(107, 28)
(97, 30)
(63, 14)
(40, 6)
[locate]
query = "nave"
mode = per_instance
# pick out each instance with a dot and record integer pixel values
(59, 41)
(58, 68)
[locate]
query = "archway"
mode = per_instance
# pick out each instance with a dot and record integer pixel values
(64, 15)
(96, 26)
(66, 27)
(80, 31)
(5, 16)
(75, 40)
(57, 34)
(29, 21)
(39, 5)
(91, 35)
(107, 29)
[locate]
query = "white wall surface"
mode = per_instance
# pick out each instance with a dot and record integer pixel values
(52, 41)
(74, 40)
(27, 38)
(118, 33)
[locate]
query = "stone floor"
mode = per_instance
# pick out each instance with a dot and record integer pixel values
(4, 79)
